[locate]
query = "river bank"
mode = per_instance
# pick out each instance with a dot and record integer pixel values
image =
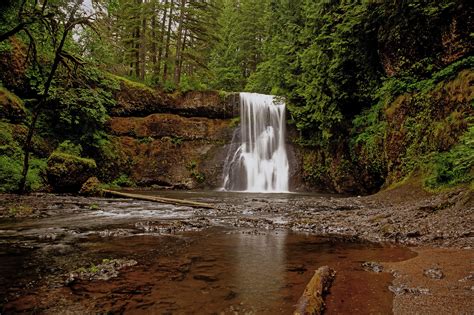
(45, 238)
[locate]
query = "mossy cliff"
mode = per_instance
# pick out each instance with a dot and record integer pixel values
(138, 135)
(129, 133)
(426, 132)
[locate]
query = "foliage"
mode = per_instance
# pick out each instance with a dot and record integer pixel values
(240, 47)
(453, 167)
(198, 176)
(10, 174)
(11, 163)
(403, 131)
(123, 181)
(70, 148)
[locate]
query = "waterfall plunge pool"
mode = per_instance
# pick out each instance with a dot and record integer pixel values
(188, 260)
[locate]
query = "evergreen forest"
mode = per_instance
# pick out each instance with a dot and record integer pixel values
(373, 88)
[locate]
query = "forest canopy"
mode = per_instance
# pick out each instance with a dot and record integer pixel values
(339, 64)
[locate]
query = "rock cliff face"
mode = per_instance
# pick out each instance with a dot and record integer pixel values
(173, 141)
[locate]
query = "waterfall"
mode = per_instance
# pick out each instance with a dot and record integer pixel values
(257, 160)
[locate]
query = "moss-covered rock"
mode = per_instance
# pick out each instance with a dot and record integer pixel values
(210, 104)
(91, 187)
(111, 160)
(135, 99)
(426, 122)
(169, 125)
(11, 107)
(67, 172)
(13, 66)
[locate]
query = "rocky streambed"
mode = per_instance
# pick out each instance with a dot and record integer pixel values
(251, 254)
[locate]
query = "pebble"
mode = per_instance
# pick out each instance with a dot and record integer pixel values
(434, 273)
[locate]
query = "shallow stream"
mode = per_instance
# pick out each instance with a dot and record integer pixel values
(188, 260)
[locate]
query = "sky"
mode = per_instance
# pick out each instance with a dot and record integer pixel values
(87, 4)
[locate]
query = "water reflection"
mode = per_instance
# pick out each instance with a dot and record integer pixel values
(260, 267)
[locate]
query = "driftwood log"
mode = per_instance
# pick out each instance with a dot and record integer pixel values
(180, 202)
(312, 300)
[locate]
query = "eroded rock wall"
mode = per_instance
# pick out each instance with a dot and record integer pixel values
(173, 141)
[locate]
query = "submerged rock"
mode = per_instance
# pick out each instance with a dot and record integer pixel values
(402, 289)
(372, 266)
(106, 270)
(434, 273)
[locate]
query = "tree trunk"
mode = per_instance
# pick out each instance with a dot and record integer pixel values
(179, 42)
(143, 42)
(153, 37)
(162, 35)
(167, 46)
(181, 58)
(136, 40)
(42, 100)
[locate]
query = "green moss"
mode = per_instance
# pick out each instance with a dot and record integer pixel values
(71, 159)
(234, 122)
(7, 95)
(11, 163)
(123, 181)
(67, 172)
(129, 82)
(146, 140)
(69, 147)
(19, 210)
(12, 107)
(315, 168)
(402, 133)
(454, 167)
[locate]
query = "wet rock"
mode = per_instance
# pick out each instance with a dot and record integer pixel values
(115, 233)
(91, 187)
(414, 233)
(467, 278)
(172, 227)
(176, 128)
(372, 266)
(58, 249)
(106, 270)
(434, 273)
(205, 277)
(231, 295)
(298, 269)
(403, 289)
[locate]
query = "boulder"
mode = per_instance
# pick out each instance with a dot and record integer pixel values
(67, 172)
(91, 187)
(11, 107)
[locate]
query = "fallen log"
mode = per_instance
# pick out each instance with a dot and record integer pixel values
(312, 300)
(179, 202)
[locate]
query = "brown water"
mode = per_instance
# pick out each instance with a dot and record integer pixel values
(189, 261)
(216, 270)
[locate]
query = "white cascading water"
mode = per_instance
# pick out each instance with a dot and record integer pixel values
(257, 162)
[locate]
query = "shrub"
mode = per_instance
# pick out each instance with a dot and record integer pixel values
(455, 166)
